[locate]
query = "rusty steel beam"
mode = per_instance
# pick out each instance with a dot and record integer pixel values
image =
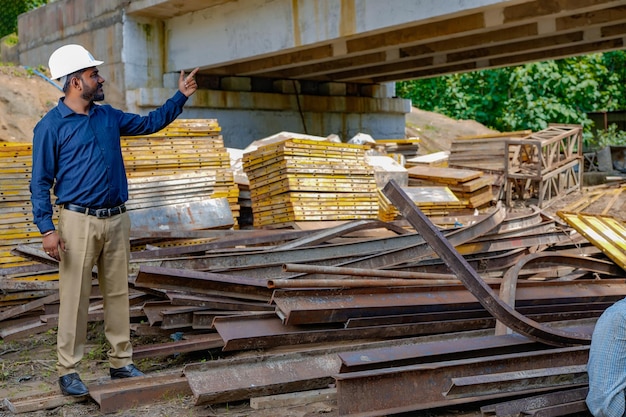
(387, 259)
(262, 257)
(193, 344)
(420, 387)
(266, 331)
(543, 313)
(226, 239)
(32, 305)
(245, 333)
(202, 283)
(371, 253)
(521, 221)
(237, 379)
(178, 317)
(513, 242)
(361, 272)
(27, 270)
(561, 377)
(355, 282)
(485, 295)
(38, 402)
(482, 262)
(338, 305)
(530, 404)
(125, 394)
(324, 235)
(218, 303)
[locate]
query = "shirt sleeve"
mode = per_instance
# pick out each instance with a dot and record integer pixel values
(133, 124)
(42, 177)
(607, 363)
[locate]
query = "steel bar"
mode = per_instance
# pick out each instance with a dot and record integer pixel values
(485, 295)
(515, 407)
(386, 259)
(13, 285)
(435, 351)
(244, 333)
(481, 262)
(566, 409)
(194, 344)
(32, 305)
(487, 384)
(38, 402)
(225, 239)
(260, 332)
(27, 270)
(384, 252)
(338, 305)
(393, 390)
(128, 393)
(38, 255)
(177, 319)
(222, 381)
(333, 232)
(519, 222)
(593, 309)
(202, 283)
(279, 257)
(24, 329)
(219, 303)
(335, 270)
(514, 242)
(355, 283)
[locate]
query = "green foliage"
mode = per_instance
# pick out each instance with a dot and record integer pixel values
(11, 9)
(610, 136)
(528, 96)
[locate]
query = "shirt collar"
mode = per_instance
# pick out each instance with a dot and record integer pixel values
(66, 111)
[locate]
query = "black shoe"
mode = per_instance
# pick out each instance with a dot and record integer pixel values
(71, 384)
(128, 371)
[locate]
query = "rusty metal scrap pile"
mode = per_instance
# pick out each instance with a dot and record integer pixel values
(414, 314)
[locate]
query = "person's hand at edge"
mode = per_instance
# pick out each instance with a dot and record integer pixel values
(188, 85)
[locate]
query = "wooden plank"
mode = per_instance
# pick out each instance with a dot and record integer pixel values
(447, 175)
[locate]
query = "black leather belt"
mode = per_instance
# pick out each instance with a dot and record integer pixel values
(99, 213)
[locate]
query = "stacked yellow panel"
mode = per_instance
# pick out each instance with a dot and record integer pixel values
(16, 218)
(184, 162)
(309, 180)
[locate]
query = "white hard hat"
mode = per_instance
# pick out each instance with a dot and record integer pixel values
(68, 59)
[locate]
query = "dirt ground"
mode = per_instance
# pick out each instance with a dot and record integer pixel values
(27, 367)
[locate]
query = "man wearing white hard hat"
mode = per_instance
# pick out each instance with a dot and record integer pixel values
(77, 152)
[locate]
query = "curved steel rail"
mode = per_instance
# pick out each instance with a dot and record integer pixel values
(509, 279)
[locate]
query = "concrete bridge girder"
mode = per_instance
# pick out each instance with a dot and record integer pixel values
(327, 66)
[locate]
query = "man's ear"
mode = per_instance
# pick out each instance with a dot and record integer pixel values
(75, 82)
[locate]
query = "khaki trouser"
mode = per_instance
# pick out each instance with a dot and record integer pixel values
(105, 243)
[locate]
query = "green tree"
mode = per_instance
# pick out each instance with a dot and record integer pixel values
(527, 96)
(11, 9)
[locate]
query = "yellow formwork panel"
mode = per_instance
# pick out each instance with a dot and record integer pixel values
(605, 232)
